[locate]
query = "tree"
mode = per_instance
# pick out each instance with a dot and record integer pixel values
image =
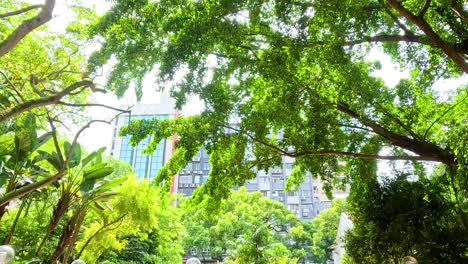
(294, 78)
(324, 230)
(397, 218)
(43, 68)
(248, 228)
(38, 69)
(294, 70)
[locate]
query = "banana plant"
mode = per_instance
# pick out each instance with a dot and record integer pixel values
(86, 188)
(19, 162)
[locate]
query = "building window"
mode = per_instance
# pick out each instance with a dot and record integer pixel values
(157, 159)
(307, 193)
(197, 179)
(206, 166)
(204, 178)
(126, 151)
(185, 179)
(144, 165)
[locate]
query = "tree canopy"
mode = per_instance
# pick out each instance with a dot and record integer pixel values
(278, 78)
(288, 78)
(248, 229)
(294, 79)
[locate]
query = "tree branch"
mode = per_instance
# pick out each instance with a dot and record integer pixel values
(431, 35)
(98, 105)
(424, 9)
(401, 25)
(360, 155)
(442, 115)
(18, 12)
(334, 152)
(118, 220)
(18, 193)
(13, 87)
(458, 10)
(53, 99)
(426, 150)
(398, 121)
(389, 38)
(27, 26)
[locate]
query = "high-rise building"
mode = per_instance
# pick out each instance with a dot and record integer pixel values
(146, 166)
(306, 202)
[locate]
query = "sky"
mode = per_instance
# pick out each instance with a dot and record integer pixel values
(100, 134)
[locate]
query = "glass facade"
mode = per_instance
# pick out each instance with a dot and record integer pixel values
(146, 166)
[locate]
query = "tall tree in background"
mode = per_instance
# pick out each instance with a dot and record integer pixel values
(249, 228)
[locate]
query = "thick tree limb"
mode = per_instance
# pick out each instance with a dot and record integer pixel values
(390, 38)
(452, 53)
(336, 153)
(18, 12)
(53, 99)
(426, 150)
(27, 26)
(359, 155)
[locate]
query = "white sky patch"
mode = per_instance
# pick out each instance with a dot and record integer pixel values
(390, 72)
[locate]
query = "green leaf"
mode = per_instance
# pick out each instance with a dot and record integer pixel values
(7, 143)
(88, 158)
(87, 185)
(41, 140)
(105, 196)
(4, 102)
(22, 146)
(3, 178)
(54, 160)
(97, 172)
(111, 184)
(75, 157)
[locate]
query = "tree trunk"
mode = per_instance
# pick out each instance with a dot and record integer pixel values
(431, 35)
(27, 26)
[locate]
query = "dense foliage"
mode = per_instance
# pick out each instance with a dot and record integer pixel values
(287, 75)
(289, 78)
(406, 218)
(248, 229)
(278, 78)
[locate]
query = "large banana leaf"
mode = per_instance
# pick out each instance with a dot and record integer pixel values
(75, 157)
